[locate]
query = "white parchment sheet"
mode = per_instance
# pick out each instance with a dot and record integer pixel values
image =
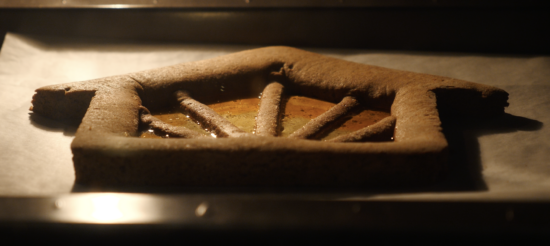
(511, 156)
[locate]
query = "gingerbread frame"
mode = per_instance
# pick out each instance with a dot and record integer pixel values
(107, 153)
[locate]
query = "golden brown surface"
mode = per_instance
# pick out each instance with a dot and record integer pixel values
(173, 117)
(365, 117)
(240, 112)
(298, 111)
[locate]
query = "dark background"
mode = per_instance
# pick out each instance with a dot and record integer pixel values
(433, 25)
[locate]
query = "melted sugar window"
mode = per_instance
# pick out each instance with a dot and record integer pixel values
(296, 112)
(299, 110)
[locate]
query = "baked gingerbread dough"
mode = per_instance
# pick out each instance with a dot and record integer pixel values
(106, 151)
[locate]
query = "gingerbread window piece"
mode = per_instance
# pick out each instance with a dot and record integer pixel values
(406, 147)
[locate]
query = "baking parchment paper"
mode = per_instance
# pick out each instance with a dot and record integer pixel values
(510, 154)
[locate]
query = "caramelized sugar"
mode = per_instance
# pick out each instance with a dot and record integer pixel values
(298, 111)
(364, 117)
(176, 118)
(241, 113)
